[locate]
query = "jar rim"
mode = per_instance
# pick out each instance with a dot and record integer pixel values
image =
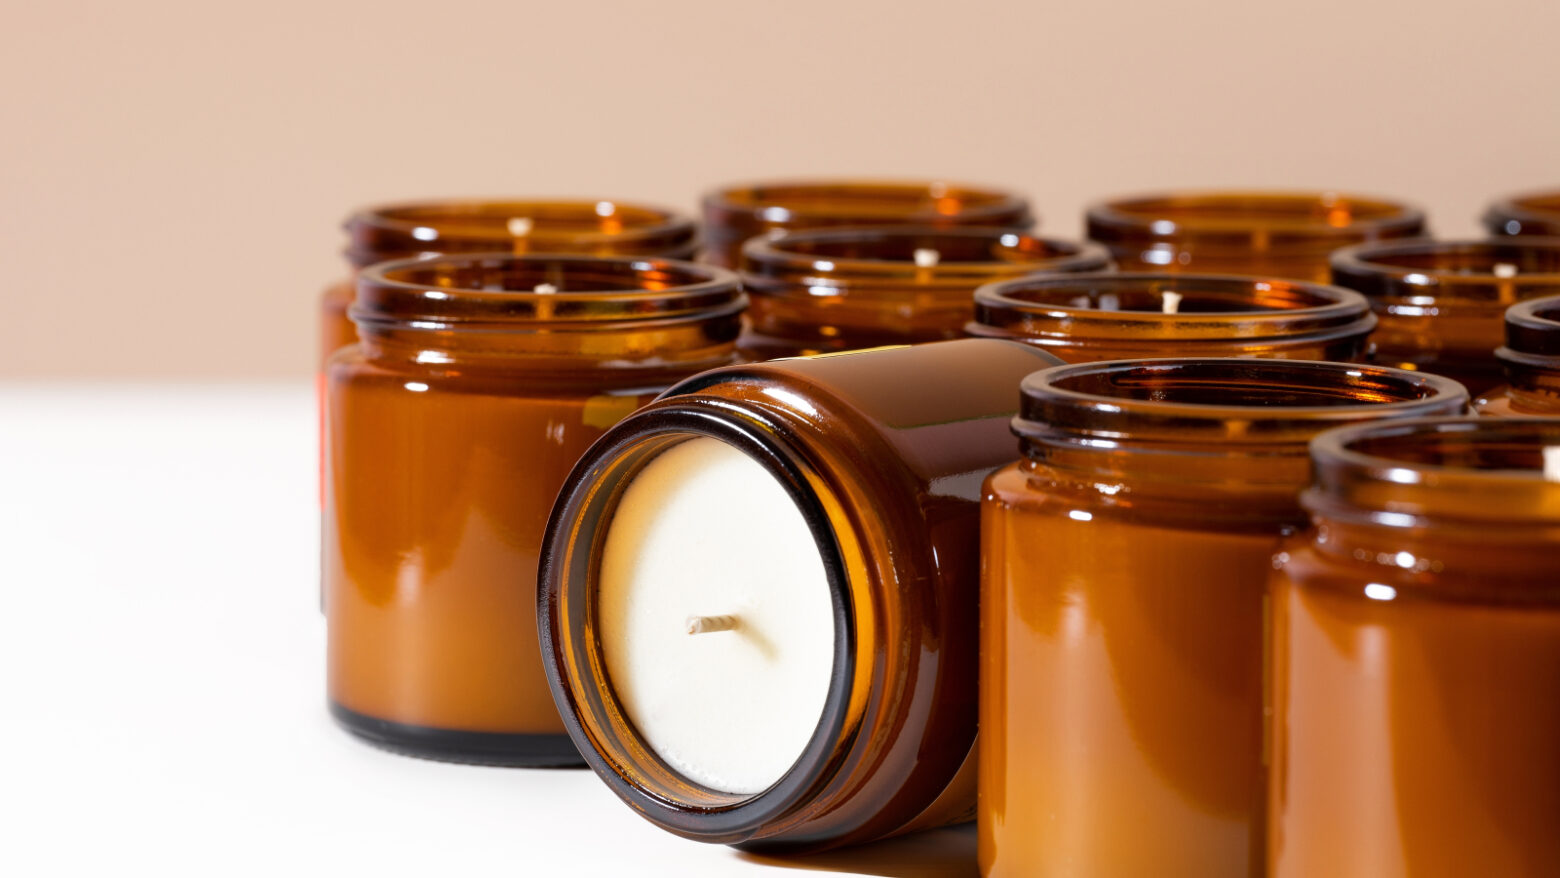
(1007, 250)
(1041, 306)
(617, 290)
(1539, 208)
(1533, 327)
(1238, 218)
(808, 200)
(1394, 270)
(1238, 402)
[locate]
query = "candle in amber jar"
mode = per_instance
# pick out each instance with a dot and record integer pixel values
(734, 214)
(1531, 357)
(478, 383)
(758, 600)
(1268, 234)
(1124, 565)
(1533, 213)
(1416, 656)
(828, 290)
(1442, 304)
(1088, 317)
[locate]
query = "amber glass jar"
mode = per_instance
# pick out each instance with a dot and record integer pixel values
(734, 214)
(1534, 213)
(593, 227)
(1267, 234)
(1088, 317)
(828, 290)
(1416, 656)
(882, 451)
(1442, 303)
(451, 426)
(1124, 563)
(1531, 358)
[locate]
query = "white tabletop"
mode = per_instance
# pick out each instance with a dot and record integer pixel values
(163, 705)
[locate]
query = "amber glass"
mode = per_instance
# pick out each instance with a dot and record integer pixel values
(883, 450)
(1416, 657)
(451, 427)
(1534, 213)
(734, 214)
(1267, 234)
(1531, 358)
(829, 290)
(1442, 303)
(1089, 317)
(1124, 564)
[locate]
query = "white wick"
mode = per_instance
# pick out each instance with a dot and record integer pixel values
(544, 288)
(1552, 463)
(926, 257)
(1170, 303)
(520, 226)
(1505, 269)
(706, 624)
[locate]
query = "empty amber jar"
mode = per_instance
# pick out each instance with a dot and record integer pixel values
(450, 428)
(1534, 213)
(1088, 317)
(882, 453)
(1416, 656)
(1442, 304)
(828, 290)
(1267, 234)
(1531, 357)
(1124, 564)
(734, 214)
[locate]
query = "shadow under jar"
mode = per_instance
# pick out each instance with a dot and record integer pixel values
(1088, 317)
(1535, 213)
(1125, 559)
(1266, 234)
(450, 428)
(758, 602)
(1531, 358)
(828, 290)
(1442, 304)
(734, 214)
(1416, 656)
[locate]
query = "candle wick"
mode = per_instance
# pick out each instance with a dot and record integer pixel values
(520, 226)
(544, 288)
(707, 624)
(1170, 303)
(926, 257)
(1505, 269)
(1552, 463)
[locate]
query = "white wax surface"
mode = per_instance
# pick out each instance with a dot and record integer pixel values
(705, 530)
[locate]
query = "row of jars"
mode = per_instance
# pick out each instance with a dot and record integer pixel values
(481, 380)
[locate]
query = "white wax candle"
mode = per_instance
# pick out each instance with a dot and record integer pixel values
(704, 531)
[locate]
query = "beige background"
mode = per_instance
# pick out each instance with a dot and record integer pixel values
(174, 172)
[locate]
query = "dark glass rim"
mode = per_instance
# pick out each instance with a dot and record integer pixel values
(786, 254)
(1393, 269)
(862, 201)
(1240, 218)
(1530, 212)
(1533, 327)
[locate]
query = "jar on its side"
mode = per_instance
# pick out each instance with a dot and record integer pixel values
(1416, 655)
(478, 382)
(1088, 317)
(1442, 303)
(878, 456)
(1124, 561)
(1531, 357)
(1266, 234)
(734, 214)
(1532, 213)
(828, 290)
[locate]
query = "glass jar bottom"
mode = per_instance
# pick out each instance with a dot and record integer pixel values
(451, 745)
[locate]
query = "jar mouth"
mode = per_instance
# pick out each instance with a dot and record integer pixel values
(1457, 468)
(1533, 327)
(1421, 271)
(1234, 402)
(864, 201)
(1525, 214)
(913, 254)
(1239, 218)
(598, 226)
(447, 292)
(1208, 306)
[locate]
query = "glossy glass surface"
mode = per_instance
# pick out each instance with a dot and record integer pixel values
(1532, 213)
(1416, 657)
(1442, 304)
(1267, 234)
(1089, 317)
(1531, 358)
(884, 452)
(450, 429)
(828, 290)
(734, 214)
(1124, 562)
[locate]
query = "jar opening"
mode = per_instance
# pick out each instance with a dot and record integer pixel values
(1145, 293)
(1312, 212)
(925, 247)
(1533, 327)
(1490, 259)
(867, 201)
